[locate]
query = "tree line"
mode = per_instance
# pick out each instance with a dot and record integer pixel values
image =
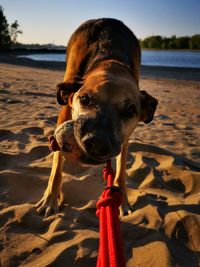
(173, 42)
(8, 33)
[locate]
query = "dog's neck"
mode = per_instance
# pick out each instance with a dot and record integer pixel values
(112, 66)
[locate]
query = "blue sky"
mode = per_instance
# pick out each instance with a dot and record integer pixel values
(53, 21)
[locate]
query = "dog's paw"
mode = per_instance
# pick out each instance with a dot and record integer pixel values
(126, 209)
(50, 203)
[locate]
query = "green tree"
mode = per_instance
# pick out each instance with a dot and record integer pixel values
(14, 31)
(145, 43)
(183, 42)
(5, 40)
(172, 42)
(194, 42)
(165, 43)
(155, 42)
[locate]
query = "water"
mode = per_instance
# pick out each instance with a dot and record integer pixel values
(47, 57)
(188, 59)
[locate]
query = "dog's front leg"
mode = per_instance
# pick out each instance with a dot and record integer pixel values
(53, 196)
(120, 178)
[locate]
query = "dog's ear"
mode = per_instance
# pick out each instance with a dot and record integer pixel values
(65, 89)
(148, 107)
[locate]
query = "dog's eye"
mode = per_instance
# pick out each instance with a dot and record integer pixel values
(85, 100)
(129, 111)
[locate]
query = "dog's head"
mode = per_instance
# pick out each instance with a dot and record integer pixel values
(106, 108)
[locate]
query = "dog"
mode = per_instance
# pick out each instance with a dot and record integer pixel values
(102, 74)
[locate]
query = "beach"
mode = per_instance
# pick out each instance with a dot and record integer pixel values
(163, 175)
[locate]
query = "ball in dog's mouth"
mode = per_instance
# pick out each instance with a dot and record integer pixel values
(64, 140)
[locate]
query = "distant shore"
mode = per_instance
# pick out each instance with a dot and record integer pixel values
(176, 73)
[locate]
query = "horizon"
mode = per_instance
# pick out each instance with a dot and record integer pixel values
(64, 45)
(55, 24)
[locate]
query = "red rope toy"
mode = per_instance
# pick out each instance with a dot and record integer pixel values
(111, 251)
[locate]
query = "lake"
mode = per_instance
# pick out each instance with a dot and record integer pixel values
(188, 59)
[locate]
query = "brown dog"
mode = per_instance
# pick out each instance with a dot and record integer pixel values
(103, 63)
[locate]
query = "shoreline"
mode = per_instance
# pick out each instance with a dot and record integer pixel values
(156, 72)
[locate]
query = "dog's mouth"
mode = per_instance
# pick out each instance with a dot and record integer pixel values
(95, 144)
(95, 152)
(91, 148)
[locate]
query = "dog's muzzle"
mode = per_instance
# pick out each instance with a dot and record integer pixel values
(98, 143)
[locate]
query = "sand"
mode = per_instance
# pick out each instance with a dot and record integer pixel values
(163, 178)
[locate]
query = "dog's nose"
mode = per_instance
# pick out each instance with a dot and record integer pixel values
(98, 146)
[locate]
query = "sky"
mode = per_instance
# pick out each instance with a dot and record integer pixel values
(53, 21)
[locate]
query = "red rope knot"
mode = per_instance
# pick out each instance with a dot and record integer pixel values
(112, 197)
